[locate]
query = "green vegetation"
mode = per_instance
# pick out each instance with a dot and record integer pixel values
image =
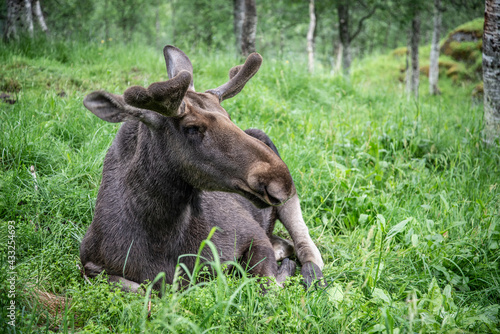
(460, 58)
(475, 27)
(401, 197)
(463, 46)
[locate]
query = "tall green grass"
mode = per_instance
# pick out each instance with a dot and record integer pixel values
(401, 197)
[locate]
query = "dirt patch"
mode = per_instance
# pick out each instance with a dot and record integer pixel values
(7, 98)
(10, 85)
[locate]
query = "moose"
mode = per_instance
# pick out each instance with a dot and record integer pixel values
(178, 167)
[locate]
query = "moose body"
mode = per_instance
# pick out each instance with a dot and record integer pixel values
(179, 167)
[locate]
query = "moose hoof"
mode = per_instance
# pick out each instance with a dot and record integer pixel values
(312, 272)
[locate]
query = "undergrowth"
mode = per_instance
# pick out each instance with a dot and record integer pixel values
(401, 197)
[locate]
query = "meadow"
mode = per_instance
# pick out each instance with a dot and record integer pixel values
(400, 195)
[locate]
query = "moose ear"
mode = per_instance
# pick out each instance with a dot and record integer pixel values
(177, 61)
(112, 108)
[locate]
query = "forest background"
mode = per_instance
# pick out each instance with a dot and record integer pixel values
(281, 29)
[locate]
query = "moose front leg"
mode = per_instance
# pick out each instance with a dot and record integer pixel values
(290, 215)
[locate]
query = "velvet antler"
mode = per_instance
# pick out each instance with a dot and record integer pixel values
(239, 76)
(163, 97)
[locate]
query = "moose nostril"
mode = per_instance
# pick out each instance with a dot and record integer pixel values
(271, 190)
(277, 193)
(272, 200)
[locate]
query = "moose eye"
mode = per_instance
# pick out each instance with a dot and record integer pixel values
(192, 131)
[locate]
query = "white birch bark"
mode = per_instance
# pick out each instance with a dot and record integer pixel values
(413, 73)
(408, 67)
(310, 37)
(415, 67)
(434, 56)
(491, 71)
(157, 26)
(249, 28)
(28, 17)
(37, 10)
(338, 59)
(238, 18)
(13, 13)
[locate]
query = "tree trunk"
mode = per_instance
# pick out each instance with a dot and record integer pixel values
(37, 10)
(386, 38)
(238, 19)
(491, 71)
(310, 37)
(249, 28)
(282, 42)
(20, 18)
(13, 14)
(434, 56)
(337, 59)
(415, 69)
(106, 20)
(157, 26)
(28, 17)
(408, 68)
(172, 4)
(345, 40)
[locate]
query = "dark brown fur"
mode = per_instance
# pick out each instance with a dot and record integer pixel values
(177, 168)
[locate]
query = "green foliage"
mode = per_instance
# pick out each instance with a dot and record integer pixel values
(400, 196)
(475, 26)
(209, 26)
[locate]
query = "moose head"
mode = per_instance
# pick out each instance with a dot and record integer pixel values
(212, 152)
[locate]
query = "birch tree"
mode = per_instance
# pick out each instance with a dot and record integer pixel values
(434, 56)
(37, 11)
(28, 17)
(310, 37)
(412, 60)
(415, 67)
(13, 14)
(491, 71)
(20, 18)
(249, 29)
(345, 34)
(238, 19)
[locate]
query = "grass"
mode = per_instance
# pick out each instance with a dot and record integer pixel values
(401, 197)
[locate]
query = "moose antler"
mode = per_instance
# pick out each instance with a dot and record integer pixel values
(233, 71)
(239, 76)
(163, 97)
(166, 97)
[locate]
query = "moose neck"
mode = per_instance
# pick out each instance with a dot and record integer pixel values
(159, 195)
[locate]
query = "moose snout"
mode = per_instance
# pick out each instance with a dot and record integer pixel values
(272, 186)
(276, 194)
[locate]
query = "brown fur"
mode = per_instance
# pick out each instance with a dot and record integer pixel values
(179, 167)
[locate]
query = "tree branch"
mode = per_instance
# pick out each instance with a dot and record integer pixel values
(360, 23)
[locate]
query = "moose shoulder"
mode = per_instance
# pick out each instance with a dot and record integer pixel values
(179, 167)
